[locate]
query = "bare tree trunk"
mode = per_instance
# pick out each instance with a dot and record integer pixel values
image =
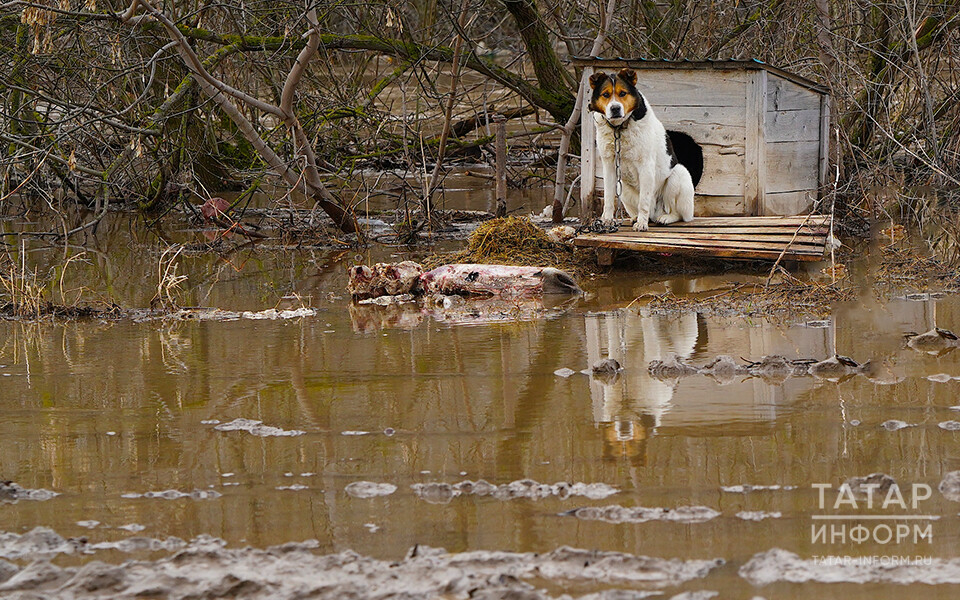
(308, 181)
(448, 112)
(571, 124)
(931, 123)
(553, 78)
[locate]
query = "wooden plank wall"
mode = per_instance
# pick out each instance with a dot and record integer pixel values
(793, 142)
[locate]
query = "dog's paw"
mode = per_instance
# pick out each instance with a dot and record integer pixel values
(667, 219)
(640, 225)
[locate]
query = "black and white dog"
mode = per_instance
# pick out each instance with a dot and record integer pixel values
(658, 169)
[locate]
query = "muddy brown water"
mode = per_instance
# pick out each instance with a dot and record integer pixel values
(108, 414)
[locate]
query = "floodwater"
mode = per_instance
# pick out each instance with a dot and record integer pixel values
(112, 414)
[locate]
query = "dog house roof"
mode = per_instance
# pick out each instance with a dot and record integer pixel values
(717, 65)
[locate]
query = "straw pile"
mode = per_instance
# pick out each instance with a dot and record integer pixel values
(512, 241)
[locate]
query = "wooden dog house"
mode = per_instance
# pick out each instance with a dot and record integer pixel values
(764, 132)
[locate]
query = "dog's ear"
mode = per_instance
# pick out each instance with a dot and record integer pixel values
(597, 79)
(641, 109)
(628, 75)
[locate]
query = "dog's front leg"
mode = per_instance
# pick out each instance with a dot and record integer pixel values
(646, 192)
(609, 192)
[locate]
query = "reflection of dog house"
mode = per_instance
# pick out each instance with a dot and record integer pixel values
(764, 132)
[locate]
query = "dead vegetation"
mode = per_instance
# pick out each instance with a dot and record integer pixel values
(896, 268)
(28, 294)
(786, 299)
(515, 241)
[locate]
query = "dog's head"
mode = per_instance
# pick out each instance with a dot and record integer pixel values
(616, 96)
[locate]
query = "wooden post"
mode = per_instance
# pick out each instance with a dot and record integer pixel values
(824, 173)
(755, 151)
(501, 175)
(588, 156)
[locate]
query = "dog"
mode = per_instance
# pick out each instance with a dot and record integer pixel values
(657, 180)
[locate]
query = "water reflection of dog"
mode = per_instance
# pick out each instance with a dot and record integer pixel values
(628, 407)
(626, 439)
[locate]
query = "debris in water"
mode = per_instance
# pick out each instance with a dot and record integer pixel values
(880, 483)
(175, 495)
(564, 372)
(257, 428)
(294, 570)
(746, 488)
(837, 367)
(354, 432)
(934, 341)
(91, 524)
(296, 487)
(723, 368)
(607, 367)
(939, 378)
(498, 280)
(369, 489)
(406, 279)
(7, 570)
(12, 492)
(442, 493)
(950, 486)
(216, 314)
(372, 527)
(639, 514)
(384, 279)
(895, 425)
(132, 527)
(779, 367)
(272, 313)
(758, 515)
(777, 565)
(385, 300)
(672, 368)
(37, 543)
(949, 425)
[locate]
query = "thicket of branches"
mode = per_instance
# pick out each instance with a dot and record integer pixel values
(140, 104)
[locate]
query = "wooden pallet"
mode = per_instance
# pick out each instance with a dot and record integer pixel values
(799, 238)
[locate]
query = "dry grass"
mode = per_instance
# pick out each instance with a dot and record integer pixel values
(514, 241)
(23, 288)
(785, 299)
(902, 266)
(24, 292)
(899, 267)
(168, 279)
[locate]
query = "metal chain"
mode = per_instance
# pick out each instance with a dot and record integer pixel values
(598, 226)
(617, 132)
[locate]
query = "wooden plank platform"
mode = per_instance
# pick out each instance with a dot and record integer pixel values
(798, 238)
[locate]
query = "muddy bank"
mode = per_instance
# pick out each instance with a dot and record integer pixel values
(205, 569)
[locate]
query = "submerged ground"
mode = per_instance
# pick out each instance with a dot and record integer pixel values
(377, 423)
